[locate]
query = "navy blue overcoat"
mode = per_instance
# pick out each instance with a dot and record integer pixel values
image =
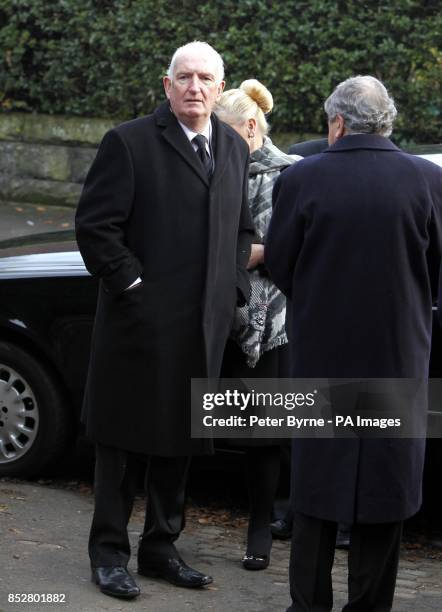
(355, 245)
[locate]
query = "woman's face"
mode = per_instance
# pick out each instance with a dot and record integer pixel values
(242, 129)
(248, 130)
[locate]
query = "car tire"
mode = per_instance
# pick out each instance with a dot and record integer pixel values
(34, 420)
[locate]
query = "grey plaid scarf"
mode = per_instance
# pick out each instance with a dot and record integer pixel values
(260, 326)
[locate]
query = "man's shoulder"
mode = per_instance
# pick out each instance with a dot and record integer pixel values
(306, 165)
(420, 162)
(131, 132)
(415, 171)
(230, 132)
(133, 126)
(221, 125)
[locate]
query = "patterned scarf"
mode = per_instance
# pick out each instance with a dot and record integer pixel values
(260, 325)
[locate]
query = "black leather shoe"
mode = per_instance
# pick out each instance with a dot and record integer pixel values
(115, 581)
(255, 562)
(174, 571)
(281, 529)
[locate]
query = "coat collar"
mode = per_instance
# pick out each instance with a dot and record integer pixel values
(224, 143)
(173, 133)
(362, 141)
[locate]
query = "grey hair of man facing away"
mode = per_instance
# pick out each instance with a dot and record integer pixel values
(205, 50)
(364, 104)
(373, 235)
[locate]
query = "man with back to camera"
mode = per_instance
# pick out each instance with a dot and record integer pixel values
(163, 223)
(355, 245)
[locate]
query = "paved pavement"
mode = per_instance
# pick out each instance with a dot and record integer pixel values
(44, 535)
(43, 550)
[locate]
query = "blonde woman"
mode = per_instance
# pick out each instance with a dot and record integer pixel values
(258, 344)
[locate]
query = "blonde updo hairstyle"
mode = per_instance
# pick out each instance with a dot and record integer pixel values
(251, 100)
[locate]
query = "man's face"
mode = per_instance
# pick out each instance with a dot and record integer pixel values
(193, 90)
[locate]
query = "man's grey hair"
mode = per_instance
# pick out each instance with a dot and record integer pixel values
(205, 50)
(364, 104)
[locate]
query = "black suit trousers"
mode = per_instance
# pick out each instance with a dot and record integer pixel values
(117, 473)
(373, 559)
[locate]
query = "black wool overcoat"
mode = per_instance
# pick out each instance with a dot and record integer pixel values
(148, 210)
(355, 244)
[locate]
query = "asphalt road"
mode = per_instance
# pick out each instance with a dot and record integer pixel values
(18, 219)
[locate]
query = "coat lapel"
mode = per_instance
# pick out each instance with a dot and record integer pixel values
(174, 135)
(223, 146)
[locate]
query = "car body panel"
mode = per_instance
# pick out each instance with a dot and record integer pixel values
(43, 265)
(48, 305)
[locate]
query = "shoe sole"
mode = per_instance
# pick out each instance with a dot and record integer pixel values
(151, 573)
(118, 596)
(112, 593)
(255, 568)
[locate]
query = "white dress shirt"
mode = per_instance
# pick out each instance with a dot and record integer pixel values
(207, 132)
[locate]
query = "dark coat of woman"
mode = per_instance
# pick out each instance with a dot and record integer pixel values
(149, 210)
(355, 245)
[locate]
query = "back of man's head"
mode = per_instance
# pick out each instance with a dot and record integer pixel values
(364, 104)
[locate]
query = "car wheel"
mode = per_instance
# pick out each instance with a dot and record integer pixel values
(34, 421)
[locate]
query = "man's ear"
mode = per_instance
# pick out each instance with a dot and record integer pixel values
(167, 84)
(336, 129)
(221, 86)
(340, 126)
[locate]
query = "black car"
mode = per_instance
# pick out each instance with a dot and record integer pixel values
(47, 308)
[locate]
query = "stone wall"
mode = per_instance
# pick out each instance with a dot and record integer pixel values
(44, 159)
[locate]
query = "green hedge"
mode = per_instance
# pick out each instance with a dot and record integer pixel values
(106, 57)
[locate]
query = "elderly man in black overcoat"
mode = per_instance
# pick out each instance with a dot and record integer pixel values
(355, 244)
(163, 223)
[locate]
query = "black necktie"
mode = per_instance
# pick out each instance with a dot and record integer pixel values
(200, 142)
